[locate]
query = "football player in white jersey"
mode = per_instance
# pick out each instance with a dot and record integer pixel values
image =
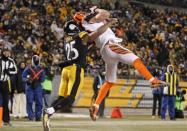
(112, 53)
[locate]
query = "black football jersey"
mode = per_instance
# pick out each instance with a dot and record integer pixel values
(75, 50)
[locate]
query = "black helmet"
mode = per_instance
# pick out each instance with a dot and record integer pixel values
(71, 28)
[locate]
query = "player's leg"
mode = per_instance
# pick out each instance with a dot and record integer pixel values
(124, 55)
(56, 104)
(76, 82)
(102, 93)
(111, 70)
(71, 83)
(63, 89)
(76, 78)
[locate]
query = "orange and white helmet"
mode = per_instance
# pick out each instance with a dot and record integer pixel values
(79, 17)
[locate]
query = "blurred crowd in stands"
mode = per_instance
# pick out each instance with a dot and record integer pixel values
(157, 36)
(173, 3)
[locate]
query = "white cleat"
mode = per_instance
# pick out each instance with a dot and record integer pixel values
(46, 121)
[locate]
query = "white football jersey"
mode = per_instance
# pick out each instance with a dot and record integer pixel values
(103, 38)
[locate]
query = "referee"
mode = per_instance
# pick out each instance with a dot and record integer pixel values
(7, 68)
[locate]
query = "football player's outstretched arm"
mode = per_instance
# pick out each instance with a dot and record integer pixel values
(92, 36)
(101, 15)
(58, 32)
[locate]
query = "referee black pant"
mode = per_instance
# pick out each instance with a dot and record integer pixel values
(4, 91)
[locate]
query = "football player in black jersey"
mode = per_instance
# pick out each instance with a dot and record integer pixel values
(75, 47)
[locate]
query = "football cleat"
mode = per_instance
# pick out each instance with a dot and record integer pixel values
(46, 120)
(93, 111)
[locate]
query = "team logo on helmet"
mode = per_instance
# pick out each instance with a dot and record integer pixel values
(71, 28)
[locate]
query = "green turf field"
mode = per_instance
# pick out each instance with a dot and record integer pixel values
(130, 123)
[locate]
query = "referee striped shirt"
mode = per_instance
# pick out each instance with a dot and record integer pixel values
(9, 65)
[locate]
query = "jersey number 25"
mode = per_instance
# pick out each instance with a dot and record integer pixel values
(72, 53)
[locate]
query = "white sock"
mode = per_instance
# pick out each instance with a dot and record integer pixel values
(50, 110)
(97, 106)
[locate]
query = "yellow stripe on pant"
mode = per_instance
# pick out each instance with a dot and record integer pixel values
(72, 78)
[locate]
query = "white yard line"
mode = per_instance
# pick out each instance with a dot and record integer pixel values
(85, 123)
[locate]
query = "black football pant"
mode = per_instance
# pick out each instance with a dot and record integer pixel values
(4, 92)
